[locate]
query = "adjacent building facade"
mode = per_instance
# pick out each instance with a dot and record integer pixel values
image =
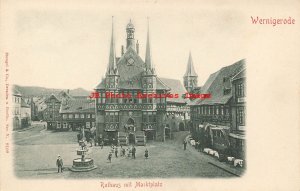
(21, 110)
(77, 113)
(25, 113)
(216, 118)
(237, 135)
(16, 108)
(51, 113)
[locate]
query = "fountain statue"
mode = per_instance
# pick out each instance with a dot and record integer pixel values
(82, 164)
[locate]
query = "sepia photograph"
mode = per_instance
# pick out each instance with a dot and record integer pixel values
(144, 95)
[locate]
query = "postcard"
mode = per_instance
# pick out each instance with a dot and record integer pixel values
(150, 95)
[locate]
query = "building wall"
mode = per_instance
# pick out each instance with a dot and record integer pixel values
(16, 111)
(51, 113)
(69, 121)
(25, 116)
(238, 145)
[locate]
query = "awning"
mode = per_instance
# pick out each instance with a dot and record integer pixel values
(111, 130)
(237, 136)
(148, 129)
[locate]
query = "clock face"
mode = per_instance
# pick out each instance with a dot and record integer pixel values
(130, 61)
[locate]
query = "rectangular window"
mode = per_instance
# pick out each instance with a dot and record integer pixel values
(93, 124)
(87, 125)
(93, 115)
(71, 116)
(82, 116)
(76, 116)
(241, 116)
(214, 133)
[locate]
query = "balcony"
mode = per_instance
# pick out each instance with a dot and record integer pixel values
(131, 106)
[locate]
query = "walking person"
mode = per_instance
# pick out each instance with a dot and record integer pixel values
(109, 157)
(146, 154)
(59, 164)
(133, 152)
(184, 144)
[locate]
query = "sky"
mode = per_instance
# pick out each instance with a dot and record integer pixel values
(69, 47)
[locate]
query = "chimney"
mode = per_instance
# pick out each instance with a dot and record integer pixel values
(68, 91)
(137, 47)
(122, 50)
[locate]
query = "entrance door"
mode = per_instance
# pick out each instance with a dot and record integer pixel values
(112, 137)
(181, 126)
(130, 125)
(167, 133)
(131, 138)
(150, 134)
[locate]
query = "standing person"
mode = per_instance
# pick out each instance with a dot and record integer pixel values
(199, 146)
(59, 164)
(184, 144)
(109, 157)
(112, 149)
(129, 152)
(133, 152)
(101, 144)
(116, 152)
(89, 138)
(146, 154)
(78, 137)
(123, 152)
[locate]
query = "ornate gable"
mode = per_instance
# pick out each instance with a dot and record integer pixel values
(130, 67)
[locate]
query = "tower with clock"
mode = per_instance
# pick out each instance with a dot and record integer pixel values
(130, 116)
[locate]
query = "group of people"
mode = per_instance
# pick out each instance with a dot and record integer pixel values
(198, 145)
(129, 152)
(89, 135)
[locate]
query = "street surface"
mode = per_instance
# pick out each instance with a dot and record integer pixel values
(36, 150)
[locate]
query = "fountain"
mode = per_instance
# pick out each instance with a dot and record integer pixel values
(82, 164)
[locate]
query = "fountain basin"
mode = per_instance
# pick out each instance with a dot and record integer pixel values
(81, 152)
(82, 166)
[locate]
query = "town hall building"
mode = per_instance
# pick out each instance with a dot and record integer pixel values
(130, 118)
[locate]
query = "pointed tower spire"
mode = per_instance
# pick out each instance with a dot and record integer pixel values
(190, 77)
(148, 59)
(112, 64)
(190, 71)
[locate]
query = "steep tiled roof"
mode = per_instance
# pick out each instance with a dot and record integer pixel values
(59, 96)
(24, 104)
(190, 70)
(239, 75)
(52, 96)
(78, 105)
(63, 94)
(176, 87)
(217, 83)
(131, 74)
(15, 91)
